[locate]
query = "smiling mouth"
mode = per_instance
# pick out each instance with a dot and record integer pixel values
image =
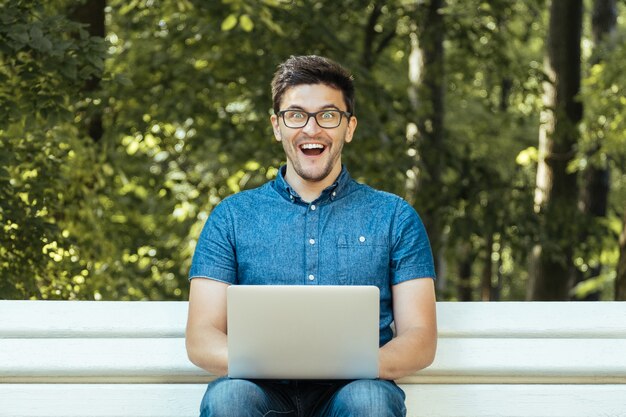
(312, 149)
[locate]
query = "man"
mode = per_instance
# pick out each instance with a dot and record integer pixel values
(314, 225)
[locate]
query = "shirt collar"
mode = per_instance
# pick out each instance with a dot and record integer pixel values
(333, 192)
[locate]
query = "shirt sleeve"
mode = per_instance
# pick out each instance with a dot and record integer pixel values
(411, 255)
(215, 255)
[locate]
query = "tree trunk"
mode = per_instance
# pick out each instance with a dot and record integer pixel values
(603, 20)
(367, 58)
(486, 287)
(465, 261)
(497, 291)
(426, 74)
(620, 278)
(555, 194)
(91, 13)
(594, 191)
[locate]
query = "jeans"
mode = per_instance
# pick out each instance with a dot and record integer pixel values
(302, 398)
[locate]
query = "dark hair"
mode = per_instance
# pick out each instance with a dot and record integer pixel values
(312, 69)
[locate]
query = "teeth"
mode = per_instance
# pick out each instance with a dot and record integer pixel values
(312, 146)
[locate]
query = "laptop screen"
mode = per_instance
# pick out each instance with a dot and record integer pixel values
(303, 332)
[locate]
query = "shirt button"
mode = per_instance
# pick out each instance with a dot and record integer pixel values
(311, 277)
(313, 207)
(312, 241)
(362, 239)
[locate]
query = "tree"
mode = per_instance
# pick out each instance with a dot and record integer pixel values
(42, 69)
(555, 196)
(602, 151)
(91, 15)
(595, 178)
(620, 280)
(117, 141)
(483, 192)
(425, 134)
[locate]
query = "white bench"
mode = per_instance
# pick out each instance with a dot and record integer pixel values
(115, 359)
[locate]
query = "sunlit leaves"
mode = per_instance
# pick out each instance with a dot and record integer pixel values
(230, 22)
(185, 100)
(246, 23)
(605, 116)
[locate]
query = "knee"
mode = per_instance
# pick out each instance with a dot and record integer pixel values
(230, 398)
(370, 398)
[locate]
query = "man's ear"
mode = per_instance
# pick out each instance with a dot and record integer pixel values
(351, 128)
(276, 128)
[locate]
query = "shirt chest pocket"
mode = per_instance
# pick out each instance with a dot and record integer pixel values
(363, 259)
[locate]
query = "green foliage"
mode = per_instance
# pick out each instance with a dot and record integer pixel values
(44, 61)
(45, 58)
(183, 92)
(603, 145)
(604, 93)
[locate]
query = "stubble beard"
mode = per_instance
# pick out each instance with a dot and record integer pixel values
(313, 175)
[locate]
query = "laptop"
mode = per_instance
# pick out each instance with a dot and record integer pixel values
(303, 332)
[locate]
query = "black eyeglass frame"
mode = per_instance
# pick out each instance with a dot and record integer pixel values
(342, 113)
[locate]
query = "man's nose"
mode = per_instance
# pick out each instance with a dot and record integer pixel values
(311, 127)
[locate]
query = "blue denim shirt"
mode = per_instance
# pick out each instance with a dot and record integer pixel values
(351, 235)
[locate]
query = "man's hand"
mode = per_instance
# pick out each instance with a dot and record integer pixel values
(205, 336)
(415, 343)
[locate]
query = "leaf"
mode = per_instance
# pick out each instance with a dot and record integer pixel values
(123, 80)
(41, 44)
(37, 39)
(35, 32)
(61, 47)
(19, 34)
(96, 61)
(246, 23)
(229, 23)
(68, 69)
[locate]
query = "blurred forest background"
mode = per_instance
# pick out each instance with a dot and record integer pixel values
(124, 122)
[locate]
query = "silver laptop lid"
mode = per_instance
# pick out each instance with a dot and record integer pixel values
(303, 332)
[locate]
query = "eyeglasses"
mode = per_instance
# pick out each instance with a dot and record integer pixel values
(327, 119)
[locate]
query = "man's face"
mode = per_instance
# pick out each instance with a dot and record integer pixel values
(313, 153)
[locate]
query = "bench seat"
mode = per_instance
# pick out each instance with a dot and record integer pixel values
(439, 400)
(69, 358)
